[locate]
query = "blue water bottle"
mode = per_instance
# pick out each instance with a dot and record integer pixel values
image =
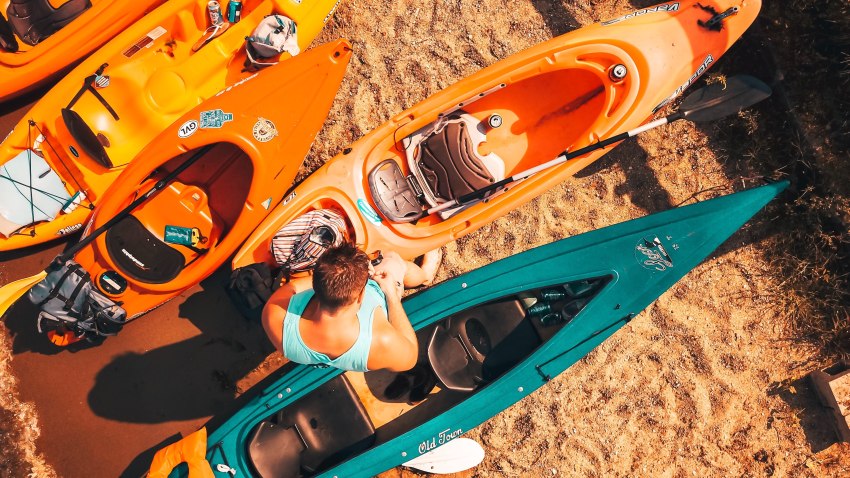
(234, 11)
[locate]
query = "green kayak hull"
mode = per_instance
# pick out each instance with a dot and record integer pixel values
(632, 263)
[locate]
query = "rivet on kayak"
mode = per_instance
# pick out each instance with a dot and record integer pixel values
(618, 72)
(279, 395)
(520, 389)
(404, 453)
(288, 389)
(463, 285)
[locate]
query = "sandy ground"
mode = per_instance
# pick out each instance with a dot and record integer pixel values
(705, 382)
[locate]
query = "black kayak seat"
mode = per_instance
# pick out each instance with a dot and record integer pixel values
(35, 20)
(319, 430)
(140, 254)
(474, 347)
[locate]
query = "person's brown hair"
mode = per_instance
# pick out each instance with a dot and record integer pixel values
(340, 275)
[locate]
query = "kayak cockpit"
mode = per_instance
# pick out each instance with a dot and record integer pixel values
(462, 354)
(511, 128)
(177, 226)
(33, 21)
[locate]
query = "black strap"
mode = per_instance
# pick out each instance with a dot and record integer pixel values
(88, 85)
(54, 292)
(69, 303)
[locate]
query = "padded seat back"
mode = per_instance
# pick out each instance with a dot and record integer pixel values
(444, 158)
(35, 20)
(474, 347)
(330, 424)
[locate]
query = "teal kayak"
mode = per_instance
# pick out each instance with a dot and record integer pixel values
(492, 336)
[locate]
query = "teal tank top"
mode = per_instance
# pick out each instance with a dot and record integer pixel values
(357, 356)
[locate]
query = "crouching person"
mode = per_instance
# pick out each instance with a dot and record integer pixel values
(351, 318)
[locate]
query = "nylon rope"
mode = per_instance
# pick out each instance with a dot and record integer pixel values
(59, 157)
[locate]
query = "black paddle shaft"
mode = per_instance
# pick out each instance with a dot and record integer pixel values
(62, 258)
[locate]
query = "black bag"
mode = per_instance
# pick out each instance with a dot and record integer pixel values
(69, 301)
(250, 288)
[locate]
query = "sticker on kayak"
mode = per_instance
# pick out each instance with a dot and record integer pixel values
(188, 129)
(187, 236)
(651, 254)
(267, 204)
(444, 437)
(264, 130)
(367, 211)
(330, 12)
(704, 66)
(69, 229)
(289, 198)
(145, 42)
(215, 118)
(101, 81)
(668, 7)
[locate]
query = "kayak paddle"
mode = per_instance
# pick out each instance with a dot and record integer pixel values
(13, 291)
(709, 103)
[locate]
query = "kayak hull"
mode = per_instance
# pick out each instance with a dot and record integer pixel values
(639, 259)
(243, 169)
(33, 66)
(154, 78)
(555, 96)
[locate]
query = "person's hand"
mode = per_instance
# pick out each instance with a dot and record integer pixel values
(393, 265)
(392, 287)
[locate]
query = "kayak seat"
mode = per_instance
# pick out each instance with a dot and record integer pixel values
(473, 347)
(136, 243)
(394, 194)
(35, 20)
(445, 161)
(319, 430)
(142, 255)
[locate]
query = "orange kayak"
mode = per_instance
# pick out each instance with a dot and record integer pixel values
(43, 41)
(87, 128)
(567, 93)
(189, 228)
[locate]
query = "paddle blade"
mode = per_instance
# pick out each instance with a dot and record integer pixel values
(723, 99)
(11, 292)
(455, 456)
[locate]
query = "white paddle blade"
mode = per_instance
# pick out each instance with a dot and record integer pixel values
(455, 456)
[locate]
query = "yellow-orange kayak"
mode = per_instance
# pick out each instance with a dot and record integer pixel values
(566, 93)
(237, 174)
(87, 128)
(41, 40)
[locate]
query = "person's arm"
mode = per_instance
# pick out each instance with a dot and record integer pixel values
(275, 309)
(394, 345)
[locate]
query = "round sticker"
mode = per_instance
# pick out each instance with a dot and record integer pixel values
(264, 130)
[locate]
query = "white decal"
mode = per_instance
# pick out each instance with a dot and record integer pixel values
(69, 229)
(188, 129)
(244, 80)
(653, 255)
(441, 439)
(669, 7)
(705, 64)
(264, 130)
